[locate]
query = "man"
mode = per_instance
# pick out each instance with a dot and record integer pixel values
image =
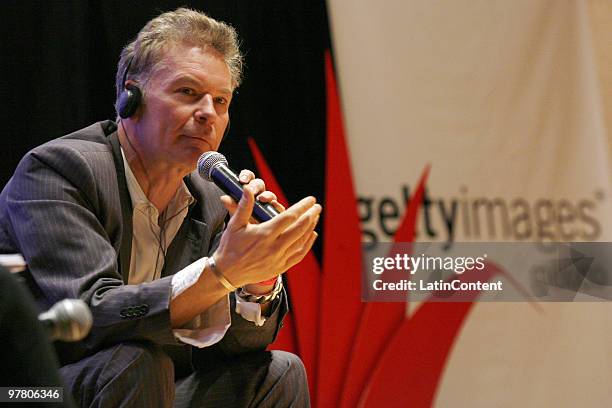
(114, 214)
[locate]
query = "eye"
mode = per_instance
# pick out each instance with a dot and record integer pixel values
(221, 100)
(187, 91)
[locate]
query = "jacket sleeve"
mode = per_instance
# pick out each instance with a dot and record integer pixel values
(242, 336)
(61, 206)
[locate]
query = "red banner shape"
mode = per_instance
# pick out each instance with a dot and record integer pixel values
(303, 280)
(379, 320)
(410, 368)
(341, 305)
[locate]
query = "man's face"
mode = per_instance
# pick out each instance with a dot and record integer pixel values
(185, 109)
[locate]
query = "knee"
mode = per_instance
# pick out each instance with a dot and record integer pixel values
(291, 370)
(129, 374)
(151, 364)
(147, 380)
(290, 361)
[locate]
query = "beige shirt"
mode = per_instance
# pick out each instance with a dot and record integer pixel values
(149, 245)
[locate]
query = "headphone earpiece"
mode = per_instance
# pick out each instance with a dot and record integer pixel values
(130, 97)
(129, 100)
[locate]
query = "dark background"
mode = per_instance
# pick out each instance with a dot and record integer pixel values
(59, 60)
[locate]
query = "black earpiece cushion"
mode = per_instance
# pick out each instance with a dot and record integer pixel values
(129, 100)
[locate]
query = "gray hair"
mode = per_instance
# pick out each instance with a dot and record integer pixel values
(181, 26)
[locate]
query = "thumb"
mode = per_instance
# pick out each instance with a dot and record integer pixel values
(245, 207)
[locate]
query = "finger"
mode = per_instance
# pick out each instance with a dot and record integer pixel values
(278, 206)
(258, 185)
(245, 176)
(243, 213)
(299, 244)
(229, 204)
(291, 215)
(303, 226)
(297, 235)
(301, 252)
(266, 197)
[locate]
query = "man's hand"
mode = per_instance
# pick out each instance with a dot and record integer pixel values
(248, 252)
(247, 177)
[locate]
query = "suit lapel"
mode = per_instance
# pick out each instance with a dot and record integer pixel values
(189, 244)
(191, 241)
(125, 252)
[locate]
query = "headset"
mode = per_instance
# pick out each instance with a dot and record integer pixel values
(131, 97)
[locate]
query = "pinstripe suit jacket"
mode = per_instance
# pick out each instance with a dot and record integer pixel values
(67, 209)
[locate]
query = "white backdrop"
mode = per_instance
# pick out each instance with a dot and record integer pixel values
(509, 102)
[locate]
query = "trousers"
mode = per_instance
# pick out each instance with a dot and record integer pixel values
(139, 374)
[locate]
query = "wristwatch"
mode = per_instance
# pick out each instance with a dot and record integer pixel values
(243, 294)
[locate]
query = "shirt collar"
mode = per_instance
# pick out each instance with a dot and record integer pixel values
(181, 199)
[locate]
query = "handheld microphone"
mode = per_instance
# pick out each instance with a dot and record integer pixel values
(67, 320)
(212, 166)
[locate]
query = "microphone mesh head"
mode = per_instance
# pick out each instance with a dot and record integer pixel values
(209, 161)
(73, 319)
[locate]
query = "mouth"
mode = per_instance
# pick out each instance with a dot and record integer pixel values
(199, 139)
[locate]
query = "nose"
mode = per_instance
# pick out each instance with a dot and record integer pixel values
(205, 111)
